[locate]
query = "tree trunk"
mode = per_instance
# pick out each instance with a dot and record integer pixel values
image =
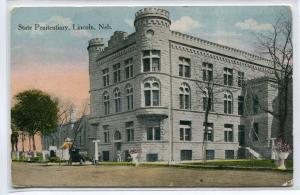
(33, 143)
(16, 145)
(23, 139)
(29, 141)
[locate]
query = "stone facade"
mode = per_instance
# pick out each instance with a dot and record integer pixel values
(166, 64)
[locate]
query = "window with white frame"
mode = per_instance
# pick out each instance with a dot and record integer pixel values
(129, 97)
(106, 103)
(184, 96)
(106, 134)
(207, 100)
(185, 131)
(128, 68)
(151, 92)
(209, 133)
(228, 108)
(228, 133)
(241, 79)
(117, 72)
(207, 71)
(228, 76)
(255, 104)
(184, 67)
(129, 131)
(241, 105)
(105, 77)
(153, 133)
(151, 60)
(118, 104)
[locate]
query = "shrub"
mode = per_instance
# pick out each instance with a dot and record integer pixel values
(54, 159)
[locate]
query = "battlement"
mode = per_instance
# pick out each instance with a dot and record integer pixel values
(117, 38)
(96, 42)
(152, 11)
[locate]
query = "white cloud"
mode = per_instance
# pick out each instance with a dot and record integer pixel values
(129, 22)
(251, 24)
(185, 24)
(59, 20)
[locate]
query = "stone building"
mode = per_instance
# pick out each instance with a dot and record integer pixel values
(147, 91)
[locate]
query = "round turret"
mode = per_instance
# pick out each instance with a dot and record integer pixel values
(152, 16)
(96, 42)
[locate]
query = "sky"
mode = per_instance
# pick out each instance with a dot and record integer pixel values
(57, 61)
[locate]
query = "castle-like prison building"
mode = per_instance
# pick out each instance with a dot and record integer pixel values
(149, 90)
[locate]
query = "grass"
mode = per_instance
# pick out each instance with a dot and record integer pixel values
(212, 164)
(242, 163)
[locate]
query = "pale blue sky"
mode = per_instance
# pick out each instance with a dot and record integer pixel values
(34, 51)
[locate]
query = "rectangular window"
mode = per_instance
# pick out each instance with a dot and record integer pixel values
(184, 67)
(106, 107)
(228, 133)
(185, 154)
(255, 132)
(152, 157)
(130, 131)
(241, 135)
(207, 71)
(185, 131)
(106, 137)
(128, 68)
(151, 60)
(147, 98)
(228, 76)
(130, 102)
(105, 77)
(209, 135)
(181, 100)
(241, 105)
(241, 79)
(117, 72)
(153, 133)
(106, 134)
(118, 104)
(229, 154)
(210, 154)
(155, 94)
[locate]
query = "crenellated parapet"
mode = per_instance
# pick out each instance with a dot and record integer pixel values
(152, 11)
(152, 17)
(95, 43)
(218, 48)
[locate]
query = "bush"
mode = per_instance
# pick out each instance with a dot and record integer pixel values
(54, 159)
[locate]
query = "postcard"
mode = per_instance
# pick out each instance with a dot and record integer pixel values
(138, 97)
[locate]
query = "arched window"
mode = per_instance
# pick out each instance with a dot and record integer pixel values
(117, 136)
(129, 97)
(228, 103)
(106, 102)
(117, 95)
(151, 92)
(207, 100)
(184, 96)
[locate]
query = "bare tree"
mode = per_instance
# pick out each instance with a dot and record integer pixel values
(209, 88)
(278, 46)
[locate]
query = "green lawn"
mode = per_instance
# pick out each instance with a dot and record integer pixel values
(242, 163)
